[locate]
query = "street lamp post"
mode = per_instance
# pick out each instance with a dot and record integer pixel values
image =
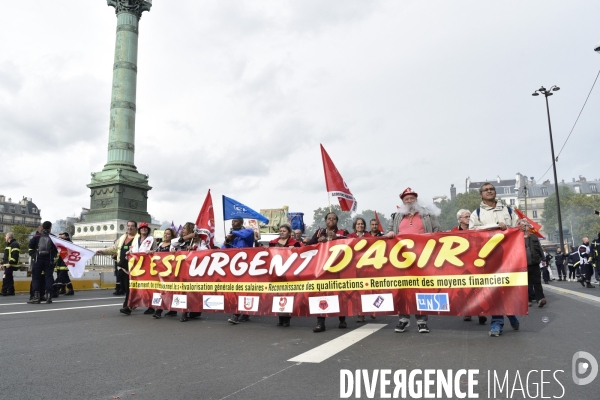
(547, 93)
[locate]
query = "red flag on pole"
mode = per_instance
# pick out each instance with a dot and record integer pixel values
(336, 187)
(205, 223)
(379, 226)
(535, 227)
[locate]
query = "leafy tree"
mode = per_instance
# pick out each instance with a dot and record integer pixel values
(22, 234)
(345, 219)
(577, 210)
(468, 201)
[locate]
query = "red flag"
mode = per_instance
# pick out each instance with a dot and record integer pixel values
(379, 226)
(205, 223)
(535, 227)
(335, 184)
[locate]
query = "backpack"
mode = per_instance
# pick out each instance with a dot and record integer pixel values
(479, 210)
(44, 245)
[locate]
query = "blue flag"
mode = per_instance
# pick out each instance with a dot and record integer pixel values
(234, 209)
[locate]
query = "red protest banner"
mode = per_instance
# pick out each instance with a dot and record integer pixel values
(454, 273)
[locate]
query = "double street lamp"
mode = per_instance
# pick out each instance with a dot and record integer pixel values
(547, 93)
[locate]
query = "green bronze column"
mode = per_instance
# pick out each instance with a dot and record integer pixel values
(118, 192)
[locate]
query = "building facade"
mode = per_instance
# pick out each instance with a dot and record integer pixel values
(25, 212)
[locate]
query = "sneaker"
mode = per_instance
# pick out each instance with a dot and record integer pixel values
(361, 318)
(495, 331)
(589, 285)
(171, 314)
(319, 328)
(149, 311)
(234, 319)
(245, 318)
(515, 324)
(467, 318)
(422, 327)
(402, 325)
(125, 310)
(482, 320)
(157, 314)
(342, 325)
(542, 303)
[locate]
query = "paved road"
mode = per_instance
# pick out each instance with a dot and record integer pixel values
(82, 348)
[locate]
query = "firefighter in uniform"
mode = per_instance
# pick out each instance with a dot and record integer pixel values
(43, 269)
(10, 264)
(63, 283)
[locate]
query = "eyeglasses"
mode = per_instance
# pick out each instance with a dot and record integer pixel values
(488, 190)
(468, 216)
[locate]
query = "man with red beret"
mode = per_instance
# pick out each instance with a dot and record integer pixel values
(412, 218)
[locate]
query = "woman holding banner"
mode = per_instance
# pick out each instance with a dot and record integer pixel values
(331, 232)
(165, 246)
(144, 243)
(360, 230)
(284, 240)
(188, 241)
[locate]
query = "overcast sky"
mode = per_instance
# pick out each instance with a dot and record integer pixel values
(236, 96)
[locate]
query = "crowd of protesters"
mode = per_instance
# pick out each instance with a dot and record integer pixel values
(410, 218)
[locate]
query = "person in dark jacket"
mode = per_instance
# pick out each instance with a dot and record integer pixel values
(239, 237)
(63, 283)
(572, 259)
(10, 263)
(559, 261)
(535, 255)
(43, 268)
(595, 253)
(331, 232)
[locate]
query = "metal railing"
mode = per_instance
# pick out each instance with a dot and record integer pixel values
(99, 259)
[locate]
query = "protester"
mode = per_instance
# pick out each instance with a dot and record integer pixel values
(188, 241)
(43, 268)
(559, 261)
(163, 247)
(359, 226)
(544, 265)
(584, 265)
(493, 214)
(375, 228)
(284, 240)
(63, 283)
(416, 219)
(144, 243)
(535, 254)
(572, 259)
(298, 236)
(10, 263)
(239, 237)
(331, 232)
(121, 248)
(595, 252)
(463, 217)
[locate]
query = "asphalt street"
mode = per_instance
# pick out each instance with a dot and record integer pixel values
(81, 347)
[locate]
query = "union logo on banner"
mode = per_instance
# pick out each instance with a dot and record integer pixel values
(282, 303)
(248, 303)
(378, 301)
(323, 305)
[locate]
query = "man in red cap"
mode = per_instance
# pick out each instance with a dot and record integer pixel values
(412, 218)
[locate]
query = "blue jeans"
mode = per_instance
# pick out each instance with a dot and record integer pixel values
(498, 321)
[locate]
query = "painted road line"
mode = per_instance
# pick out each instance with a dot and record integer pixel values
(570, 293)
(66, 301)
(331, 348)
(61, 309)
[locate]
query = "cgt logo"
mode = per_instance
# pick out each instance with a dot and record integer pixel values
(579, 368)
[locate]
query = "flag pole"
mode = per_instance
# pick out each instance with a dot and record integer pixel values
(329, 201)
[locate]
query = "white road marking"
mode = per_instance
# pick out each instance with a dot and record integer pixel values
(329, 349)
(65, 301)
(569, 293)
(59, 309)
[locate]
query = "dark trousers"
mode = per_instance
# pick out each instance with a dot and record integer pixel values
(545, 274)
(124, 278)
(534, 279)
(571, 271)
(62, 279)
(45, 266)
(561, 270)
(8, 282)
(586, 272)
